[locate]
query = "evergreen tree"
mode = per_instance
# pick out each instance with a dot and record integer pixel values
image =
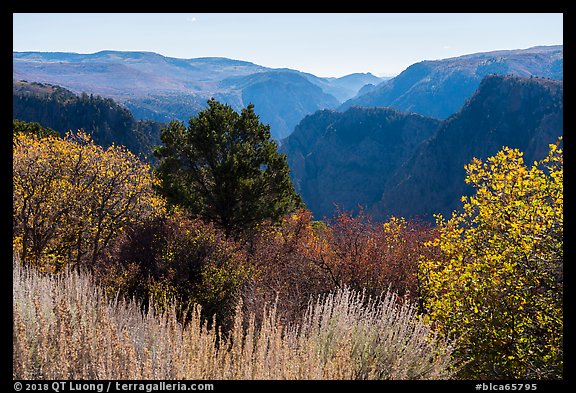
(224, 167)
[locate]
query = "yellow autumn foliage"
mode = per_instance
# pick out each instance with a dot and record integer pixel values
(71, 197)
(497, 286)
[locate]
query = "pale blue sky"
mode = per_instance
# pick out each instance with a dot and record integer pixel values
(324, 44)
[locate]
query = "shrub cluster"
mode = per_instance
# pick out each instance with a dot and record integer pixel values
(72, 198)
(497, 284)
(177, 259)
(301, 258)
(289, 298)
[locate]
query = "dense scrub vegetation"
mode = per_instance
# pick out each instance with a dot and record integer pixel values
(478, 296)
(71, 198)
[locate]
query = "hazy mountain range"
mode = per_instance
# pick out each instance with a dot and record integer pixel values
(409, 165)
(439, 88)
(163, 88)
(395, 147)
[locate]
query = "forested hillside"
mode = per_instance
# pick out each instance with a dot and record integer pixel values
(523, 113)
(105, 120)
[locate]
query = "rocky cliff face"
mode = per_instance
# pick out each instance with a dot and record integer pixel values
(405, 164)
(343, 160)
(523, 113)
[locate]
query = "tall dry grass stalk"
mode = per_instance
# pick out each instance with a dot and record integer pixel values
(66, 328)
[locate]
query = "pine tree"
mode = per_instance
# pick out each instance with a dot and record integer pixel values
(225, 168)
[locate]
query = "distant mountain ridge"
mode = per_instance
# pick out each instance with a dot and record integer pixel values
(129, 74)
(439, 88)
(163, 88)
(374, 157)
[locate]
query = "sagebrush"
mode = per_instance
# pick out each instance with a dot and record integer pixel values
(66, 328)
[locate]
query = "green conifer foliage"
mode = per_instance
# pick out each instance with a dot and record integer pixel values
(224, 167)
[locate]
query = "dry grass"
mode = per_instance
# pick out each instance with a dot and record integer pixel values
(66, 328)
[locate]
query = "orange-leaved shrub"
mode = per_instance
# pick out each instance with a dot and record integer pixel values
(363, 254)
(283, 272)
(301, 258)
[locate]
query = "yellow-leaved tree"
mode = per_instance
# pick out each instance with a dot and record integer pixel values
(71, 198)
(498, 283)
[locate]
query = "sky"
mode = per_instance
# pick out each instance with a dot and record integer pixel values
(324, 44)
